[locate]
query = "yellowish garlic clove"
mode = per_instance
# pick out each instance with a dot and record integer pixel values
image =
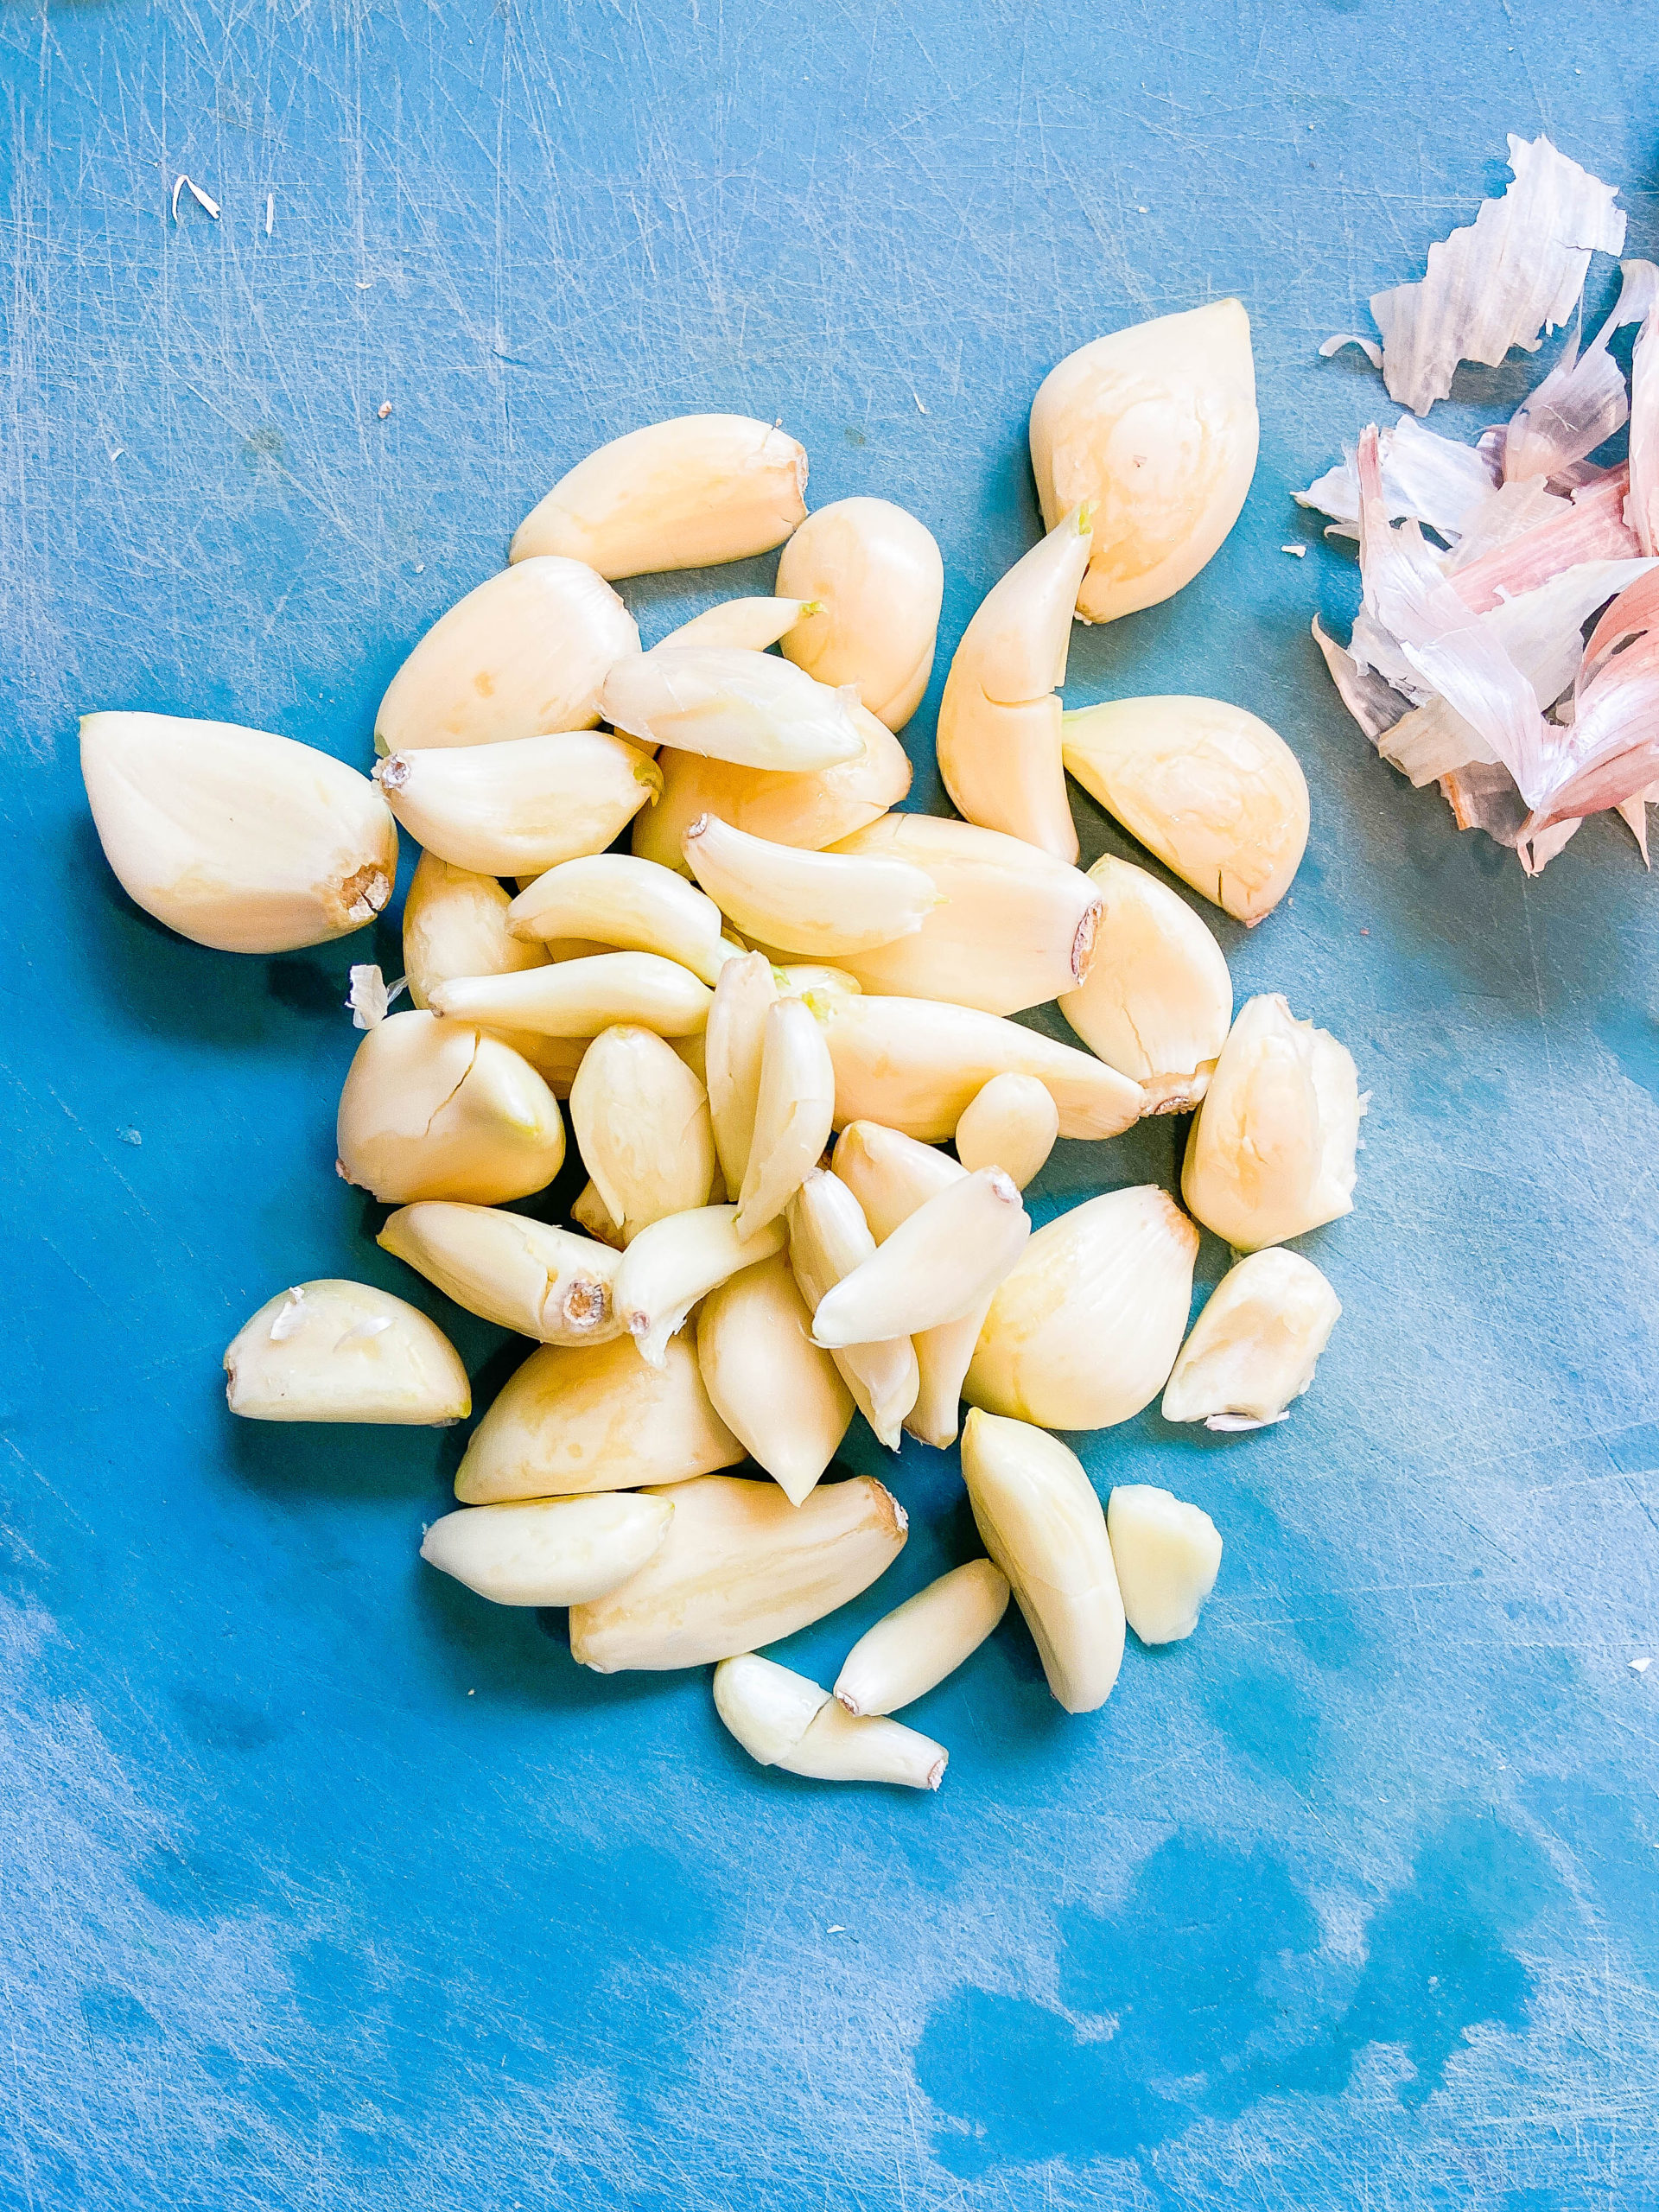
(927, 1638)
(671, 1265)
(942, 1358)
(750, 708)
(523, 1274)
(1041, 1521)
(821, 903)
(1254, 1348)
(829, 1238)
(345, 1351)
(640, 1119)
(778, 1393)
(750, 624)
(589, 1212)
(794, 1107)
(733, 1045)
(878, 580)
(609, 900)
(1217, 795)
(556, 1060)
(579, 998)
(1084, 1331)
(938, 1265)
(456, 924)
(436, 1109)
(1168, 1555)
(235, 838)
(557, 1551)
(518, 808)
(782, 1719)
(1011, 1124)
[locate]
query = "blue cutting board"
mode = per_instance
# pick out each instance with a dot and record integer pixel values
(326, 1884)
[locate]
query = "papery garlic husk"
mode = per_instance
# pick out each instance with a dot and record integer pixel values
(1217, 795)
(687, 494)
(1271, 1153)
(927, 1638)
(640, 1119)
(671, 1265)
(456, 924)
(526, 651)
(1011, 1124)
(579, 998)
(878, 580)
(752, 624)
(829, 1238)
(778, 1393)
(741, 1566)
(518, 808)
(751, 709)
(1155, 427)
(1254, 1348)
(1041, 1521)
(782, 1719)
(733, 1045)
(821, 904)
(556, 1551)
(794, 1108)
(1158, 1000)
(345, 1351)
(235, 838)
(999, 735)
(614, 899)
(589, 1212)
(1167, 1555)
(937, 1266)
(546, 1282)
(1084, 1331)
(436, 1109)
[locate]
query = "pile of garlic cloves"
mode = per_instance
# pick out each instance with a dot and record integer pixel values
(664, 911)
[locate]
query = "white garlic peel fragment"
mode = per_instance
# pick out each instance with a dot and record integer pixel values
(518, 808)
(821, 903)
(1011, 1124)
(1217, 795)
(781, 1396)
(915, 1647)
(436, 1109)
(795, 1106)
(1254, 1348)
(613, 899)
(1271, 1153)
(752, 624)
(938, 1265)
(687, 494)
(544, 1282)
(679, 1260)
(750, 708)
(877, 580)
(235, 838)
(782, 1719)
(578, 998)
(345, 1351)
(640, 1119)
(733, 1047)
(1168, 1555)
(456, 924)
(829, 1238)
(561, 1551)
(1041, 1521)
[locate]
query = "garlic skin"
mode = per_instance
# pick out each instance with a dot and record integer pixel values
(1254, 1348)
(1217, 795)
(525, 652)
(640, 1119)
(877, 579)
(345, 1351)
(823, 905)
(1168, 1555)
(1158, 1001)
(750, 708)
(518, 808)
(1155, 429)
(927, 1638)
(752, 624)
(578, 998)
(672, 1263)
(436, 1109)
(1271, 1153)
(1041, 1521)
(237, 839)
(1011, 1124)
(829, 1238)
(778, 1393)
(1084, 1331)
(733, 1049)
(541, 1281)
(795, 1105)
(938, 1265)
(782, 1719)
(456, 924)
(560, 1551)
(687, 494)
(612, 899)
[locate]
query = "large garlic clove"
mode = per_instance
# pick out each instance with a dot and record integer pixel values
(578, 998)
(794, 1107)
(927, 1638)
(1155, 427)
(999, 735)
(518, 808)
(733, 1046)
(344, 1351)
(674, 1263)
(525, 652)
(1011, 1124)
(820, 904)
(595, 1417)
(1084, 1331)
(559, 1551)
(1040, 1519)
(752, 624)
(878, 580)
(1217, 795)
(782, 1719)
(1168, 1555)
(1157, 1002)
(829, 1238)
(686, 493)
(544, 1282)
(640, 1119)
(614, 900)
(235, 838)
(750, 708)
(1271, 1153)
(1255, 1346)
(940, 1264)
(436, 1109)
(778, 1393)
(456, 924)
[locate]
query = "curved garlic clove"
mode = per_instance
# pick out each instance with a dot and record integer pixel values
(456, 924)
(1254, 1348)
(752, 624)
(733, 1043)
(839, 1747)
(890, 1174)
(750, 708)
(877, 576)
(821, 903)
(609, 900)
(434, 1110)
(640, 1119)
(523, 1274)
(794, 1107)
(557, 1551)
(921, 1642)
(345, 1351)
(829, 1238)
(942, 1358)
(674, 1263)
(1217, 795)
(1168, 1555)
(579, 998)
(518, 808)
(1011, 1124)
(589, 1212)
(237, 839)
(938, 1265)
(778, 1393)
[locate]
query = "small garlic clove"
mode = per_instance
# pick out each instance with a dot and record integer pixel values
(559, 1551)
(733, 1045)
(750, 624)
(456, 924)
(821, 904)
(345, 1351)
(640, 1119)
(778, 1393)
(769, 1709)
(436, 1109)
(1254, 1348)
(556, 1060)
(518, 808)
(916, 1646)
(544, 1282)
(753, 709)
(942, 1358)
(794, 1107)
(936, 1267)
(579, 998)
(878, 580)
(829, 1238)
(613, 899)
(589, 1212)
(1168, 1555)
(1011, 1124)
(838, 1746)
(674, 1261)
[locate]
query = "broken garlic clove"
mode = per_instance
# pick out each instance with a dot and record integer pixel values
(559, 1551)
(829, 1238)
(877, 580)
(753, 709)
(640, 1119)
(778, 1393)
(1168, 1555)
(938, 1265)
(436, 1109)
(674, 1261)
(794, 1107)
(345, 1351)
(821, 903)
(518, 808)
(1254, 1348)
(614, 899)
(733, 1046)
(1011, 1124)
(456, 924)
(544, 1282)
(917, 1645)
(579, 998)
(752, 624)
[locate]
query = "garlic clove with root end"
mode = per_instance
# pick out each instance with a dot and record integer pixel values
(778, 1393)
(1217, 795)
(345, 1351)
(752, 624)
(456, 924)
(1168, 1555)
(559, 1551)
(1041, 1521)
(782, 1719)
(937, 1266)
(1254, 1348)
(794, 1108)
(820, 904)
(1271, 1152)
(927, 1638)
(829, 1238)
(518, 808)
(1011, 1124)
(674, 1263)
(436, 1109)
(750, 708)
(544, 1282)
(640, 1119)
(877, 580)
(579, 998)
(615, 899)
(734, 1048)
(1155, 427)
(237, 839)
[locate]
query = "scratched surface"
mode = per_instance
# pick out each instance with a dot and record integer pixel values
(326, 1884)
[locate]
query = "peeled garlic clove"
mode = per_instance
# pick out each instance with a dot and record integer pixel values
(829, 1238)
(523, 1274)
(611, 899)
(823, 904)
(751, 709)
(640, 1119)
(434, 1110)
(1158, 1001)
(741, 1566)
(1217, 795)
(1011, 1124)
(525, 652)
(752, 624)
(799, 979)
(1271, 1154)
(778, 1393)
(1255, 1346)
(877, 580)
(456, 924)
(890, 1174)
(733, 1045)
(767, 1707)
(1168, 1555)
(999, 735)
(1084, 1331)
(579, 998)
(1155, 429)
(686, 493)
(235, 838)
(837, 1747)
(937, 1266)
(340, 1351)
(942, 1358)
(674, 1263)
(927, 1638)
(589, 1212)
(794, 1108)
(559, 1551)
(518, 808)
(1041, 1521)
